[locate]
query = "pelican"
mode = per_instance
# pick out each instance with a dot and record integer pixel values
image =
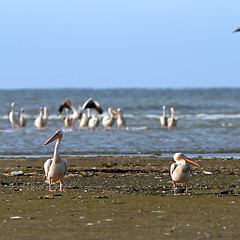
(163, 118)
(83, 121)
(40, 122)
(172, 122)
(22, 120)
(120, 119)
(91, 103)
(180, 170)
(55, 168)
(12, 117)
(67, 120)
(93, 122)
(108, 121)
(76, 114)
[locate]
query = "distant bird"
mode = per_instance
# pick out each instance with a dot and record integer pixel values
(121, 121)
(13, 118)
(108, 121)
(180, 170)
(163, 118)
(93, 122)
(172, 122)
(91, 103)
(67, 120)
(83, 122)
(55, 168)
(237, 30)
(77, 114)
(41, 122)
(22, 120)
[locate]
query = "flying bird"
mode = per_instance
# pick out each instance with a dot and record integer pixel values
(55, 168)
(180, 170)
(237, 30)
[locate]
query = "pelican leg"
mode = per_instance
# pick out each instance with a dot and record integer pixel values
(50, 185)
(61, 185)
(186, 188)
(174, 188)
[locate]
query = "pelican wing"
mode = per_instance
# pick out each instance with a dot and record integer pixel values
(91, 103)
(65, 104)
(65, 164)
(173, 167)
(47, 165)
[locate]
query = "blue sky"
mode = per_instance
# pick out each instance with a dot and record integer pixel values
(119, 43)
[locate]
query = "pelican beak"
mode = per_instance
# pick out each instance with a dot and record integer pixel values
(189, 160)
(57, 135)
(113, 111)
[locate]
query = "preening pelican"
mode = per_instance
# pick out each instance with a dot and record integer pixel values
(108, 121)
(172, 122)
(83, 121)
(93, 122)
(180, 170)
(76, 114)
(163, 118)
(120, 119)
(22, 120)
(40, 122)
(13, 117)
(55, 168)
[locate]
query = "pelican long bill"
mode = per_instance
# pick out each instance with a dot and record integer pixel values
(189, 160)
(57, 135)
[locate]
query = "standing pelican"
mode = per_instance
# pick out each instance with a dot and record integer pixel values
(40, 122)
(163, 118)
(76, 114)
(55, 168)
(22, 120)
(172, 122)
(120, 119)
(12, 117)
(83, 121)
(108, 121)
(67, 120)
(180, 170)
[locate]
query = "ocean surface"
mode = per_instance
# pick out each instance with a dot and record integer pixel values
(208, 122)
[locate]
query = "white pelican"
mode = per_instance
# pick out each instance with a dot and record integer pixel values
(13, 117)
(83, 121)
(163, 118)
(40, 122)
(55, 168)
(91, 103)
(108, 121)
(93, 122)
(120, 119)
(76, 114)
(172, 122)
(180, 170)
(67, 120)
(22, 120)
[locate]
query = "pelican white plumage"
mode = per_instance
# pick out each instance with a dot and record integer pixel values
(121, 121)
(83, 121)
(13, 117)
(172, 121)
(55, 168)
(67, 120)
(108, 121)
(22, 120)
(180, 170)
(40, 122)
(163, 118)
(93, 122)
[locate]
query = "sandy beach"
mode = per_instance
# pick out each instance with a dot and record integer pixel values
(119, 197)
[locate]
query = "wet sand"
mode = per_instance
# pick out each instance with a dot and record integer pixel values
(119, 198)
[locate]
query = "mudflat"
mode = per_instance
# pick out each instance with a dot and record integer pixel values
(119, 197)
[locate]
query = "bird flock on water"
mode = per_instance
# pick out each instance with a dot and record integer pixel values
(84, 118)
